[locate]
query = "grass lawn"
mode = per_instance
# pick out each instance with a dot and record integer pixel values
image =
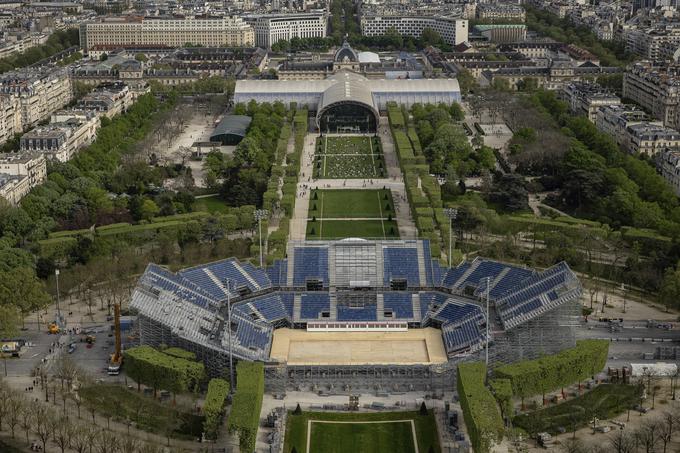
(605, 401)
(336, 229)
(394, 437)
(147, 413)
(211, 204)
(340, 203)
(349, 157)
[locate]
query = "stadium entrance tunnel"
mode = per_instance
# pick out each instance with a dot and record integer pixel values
(348, 116)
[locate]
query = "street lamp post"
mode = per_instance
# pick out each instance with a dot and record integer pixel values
(56, 275)
(259, 215)
(451, 213)
(488, 284)
(231, 357)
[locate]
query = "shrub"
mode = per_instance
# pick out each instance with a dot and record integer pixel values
(245, 411)
(213, 408)
(481, 414)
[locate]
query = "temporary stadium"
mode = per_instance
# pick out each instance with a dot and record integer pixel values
(358, 313)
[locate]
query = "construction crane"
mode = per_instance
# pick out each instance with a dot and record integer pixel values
(117, 357)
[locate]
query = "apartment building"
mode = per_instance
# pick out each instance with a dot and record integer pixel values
(454, 30)
(503, 33)
(31, 165)
(652, 43)
(40, 91)
(271, 28)
(10, 117)
(108, 100)
(651, 138)
(133, 31)
(656, 87)
(668, 165)
(586, 98)
(13, 188)
(500, 12)
(61, 141)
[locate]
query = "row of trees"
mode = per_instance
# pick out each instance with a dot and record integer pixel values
(57, 42)
(244, 418)
(242, 178)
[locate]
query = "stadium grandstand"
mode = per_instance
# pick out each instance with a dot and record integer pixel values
(385, 298)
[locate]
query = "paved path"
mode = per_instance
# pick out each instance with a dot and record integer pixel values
(394, 182)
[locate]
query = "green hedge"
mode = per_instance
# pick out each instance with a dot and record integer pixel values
(480, 411)
(247, 403)
(540, 376)
(213, 407)
(180, 353)
(150, 367)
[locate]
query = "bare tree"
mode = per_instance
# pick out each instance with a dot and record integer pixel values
(129, 445)
(15, 406)
(5, 394)
(44, 425)
(63, 433)
(573, 446)
(81, 439)
(669, 424)
(648, 434)
(622, 442)
(26, 420)
(106, 442)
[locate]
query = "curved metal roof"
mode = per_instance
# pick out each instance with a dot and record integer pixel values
(347, 87)
(232, 125)
(345, 52)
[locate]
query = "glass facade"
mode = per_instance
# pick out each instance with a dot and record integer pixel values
(348, 117)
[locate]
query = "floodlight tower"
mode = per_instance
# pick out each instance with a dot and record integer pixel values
(452, 214)
(227, 283)
(259, 215)
(486, 294)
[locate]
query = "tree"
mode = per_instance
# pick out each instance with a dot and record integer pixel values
(15, 406)
(44, 425)
(669, 294)
(81, 440)
(573, 446)
(26, 421)
(423, 408)
(149, 209)
(622, 442)
(63, 433)
(648, 434)
(298, 410)
(21, 288)
(9, 320)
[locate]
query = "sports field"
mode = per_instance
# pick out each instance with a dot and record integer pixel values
(349, 158)
(342, 213)
(414, 346)
(387, 432)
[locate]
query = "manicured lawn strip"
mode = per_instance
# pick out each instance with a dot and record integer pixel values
(373, 437)
(211, 204)
(349, 203)
(604, 402)
(344, 145)
(349, 167)
(352, 228)
(426, 431)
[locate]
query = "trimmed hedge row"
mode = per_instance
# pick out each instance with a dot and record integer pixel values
(180, 353)
(540, 376)
(247, 403)
(145, 365)
(213, 407)
(481, 414)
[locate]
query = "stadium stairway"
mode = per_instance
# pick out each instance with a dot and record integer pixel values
(334, 306)
(415, 298)
(291, 269)
(380, 306)
(250, 279)
(499, 277)
(216, 280)
(467, 273)
(297, 307)
(421, 264)
(331, 269)
(379, 267)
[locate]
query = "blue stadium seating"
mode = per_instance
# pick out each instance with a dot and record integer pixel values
(463, 335)
(437, 273)
(158, 277)
(312, 304)
(510, 281)
(428, 263)
(257, 274)
(271, 307)
(430, 301)
(198, 276)
(401, 263)
(288, 300)
(225, 270)
(252, 335)
(484, 269)
(454, 312)
(400, 303)
(366, 313)
(278, 273)
(310, 263)
(455, 273)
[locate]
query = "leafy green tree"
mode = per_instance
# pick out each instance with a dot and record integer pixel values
(149, 209)
(669, 294)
